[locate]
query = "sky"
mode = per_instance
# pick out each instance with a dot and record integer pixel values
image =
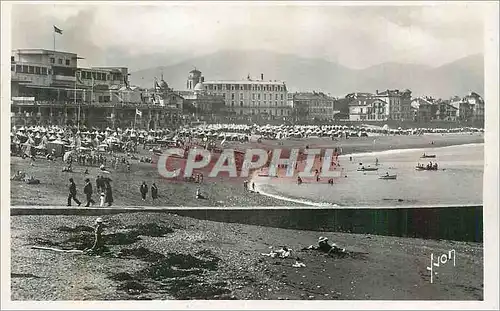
(359, 36)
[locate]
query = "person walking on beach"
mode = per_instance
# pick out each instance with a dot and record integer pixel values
(108, 193)
(88, 192)
(99, 183)
(72, 193)
(102, 198)
(154, 191)
(253, 186)
(144, 190)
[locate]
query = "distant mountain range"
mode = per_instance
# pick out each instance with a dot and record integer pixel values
(307, 74)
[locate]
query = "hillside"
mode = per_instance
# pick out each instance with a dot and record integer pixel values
(302, 74)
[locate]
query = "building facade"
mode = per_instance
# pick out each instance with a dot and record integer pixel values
(464, 110)
(368, 109)
(399, 104)
(266, 99)
(424, 109)
(48, 88)
(313, 106)
(477, 105)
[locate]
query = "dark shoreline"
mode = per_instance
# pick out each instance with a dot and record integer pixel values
(435, 223)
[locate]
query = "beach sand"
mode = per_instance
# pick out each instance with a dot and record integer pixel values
(199, 259)
(220, 192)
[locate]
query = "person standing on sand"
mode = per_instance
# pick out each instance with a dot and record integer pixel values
(98, 183)
(253, 186)
(72, 193)
(88, 192)
(109, 193)
(144, 190)
(98, 246)
(154, 191)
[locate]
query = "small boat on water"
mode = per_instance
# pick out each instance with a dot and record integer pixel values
(367, 169)
(388, 177)
(425, 168)
(424, 156)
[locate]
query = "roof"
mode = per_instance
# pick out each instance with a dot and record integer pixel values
(103, 69)
(195, 71)
(245, 82)
(311, 95)
(40, 51)
(425, 101)
(199, 87)
(366, 102)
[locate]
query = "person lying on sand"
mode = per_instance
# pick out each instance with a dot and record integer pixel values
(31, 180)
(283, 252)
(68, 169)
(103, 169)
(199, 195)
(326, 247)
(18, 176)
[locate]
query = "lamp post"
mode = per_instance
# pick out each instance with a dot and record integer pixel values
(78, 119)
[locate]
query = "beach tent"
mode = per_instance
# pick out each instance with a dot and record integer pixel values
(57, 146)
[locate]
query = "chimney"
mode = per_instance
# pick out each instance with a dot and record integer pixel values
(262, 76)
(376, 92)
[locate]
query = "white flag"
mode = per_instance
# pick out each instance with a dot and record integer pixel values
(137, 112)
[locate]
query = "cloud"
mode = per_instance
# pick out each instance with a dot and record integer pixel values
(355, 36)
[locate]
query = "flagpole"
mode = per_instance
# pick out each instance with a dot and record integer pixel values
(54, 35)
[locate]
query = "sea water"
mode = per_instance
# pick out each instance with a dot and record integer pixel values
(459, 180)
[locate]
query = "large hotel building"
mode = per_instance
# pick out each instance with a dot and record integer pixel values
(245, 97)
(48, 88)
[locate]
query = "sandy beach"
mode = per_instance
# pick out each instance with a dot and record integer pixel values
(166, 256)
(223, 192)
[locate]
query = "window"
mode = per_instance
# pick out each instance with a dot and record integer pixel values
(276, 97)
(52, 60)
(241, 88)
(37, 70)
(59, 61)
(232, 96)
(253, 96)
(232, 87)
(67, 62)
(258, 96)
(258, 103)
(241, 103)
(241, 95)
(25, 69)
(232, 104)
(13, 68)
(224, 96)
(276, 103)
(31, 69)
(19, 68)
(253, 103)
(281, 96)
